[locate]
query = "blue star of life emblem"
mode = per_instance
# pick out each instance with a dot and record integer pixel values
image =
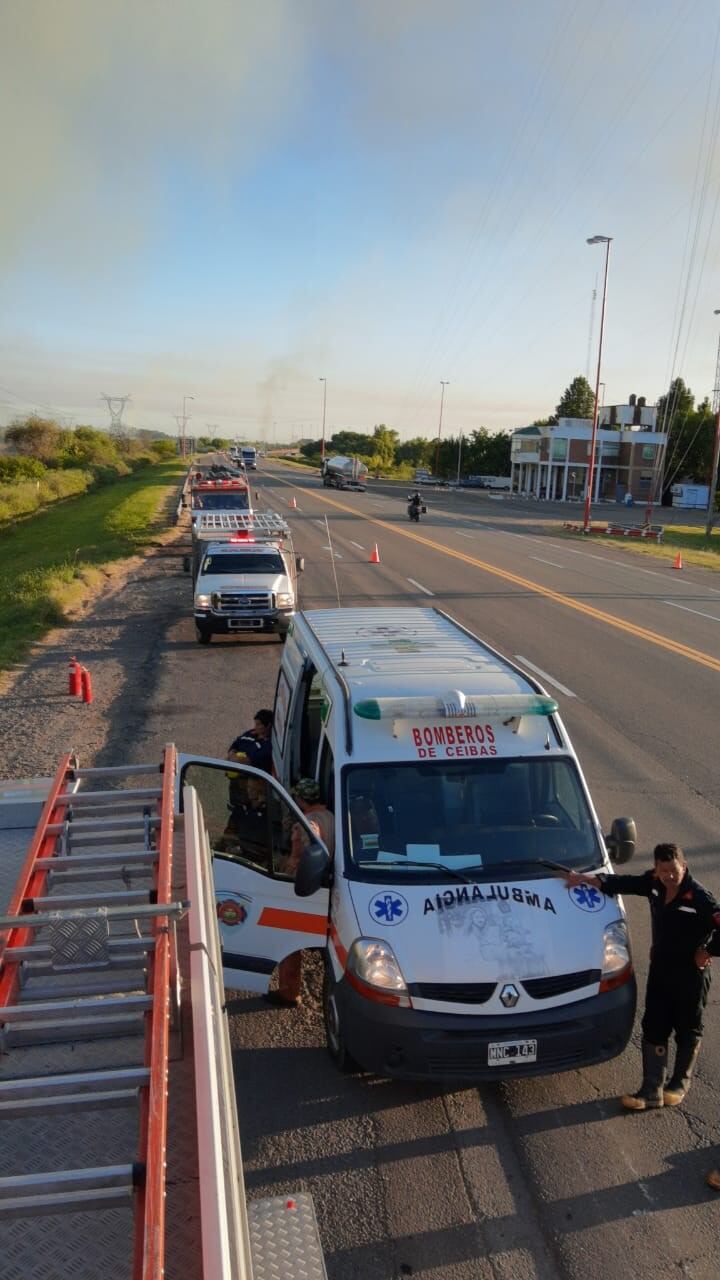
(388, 908)
(587, 898)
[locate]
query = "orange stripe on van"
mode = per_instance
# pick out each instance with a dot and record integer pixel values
(342, 954)
(293, 921)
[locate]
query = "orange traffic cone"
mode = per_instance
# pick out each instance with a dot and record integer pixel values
(293, 502)
(677, 562)
(375, 557)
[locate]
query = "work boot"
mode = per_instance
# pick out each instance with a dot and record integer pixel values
(713, 1179)
(686, 1055)
(650, 1093)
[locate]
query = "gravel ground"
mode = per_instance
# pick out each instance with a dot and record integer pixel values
(119, 637)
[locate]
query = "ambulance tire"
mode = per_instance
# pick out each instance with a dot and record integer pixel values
(203, 636)
(333, 1029)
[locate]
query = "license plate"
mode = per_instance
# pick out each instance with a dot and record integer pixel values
(503, 1052)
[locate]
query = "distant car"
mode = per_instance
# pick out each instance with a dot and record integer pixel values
(472, 482)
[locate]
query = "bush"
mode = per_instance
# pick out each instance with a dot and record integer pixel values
(26, 496)
(13, 469)
(109, 474)
(163, 448)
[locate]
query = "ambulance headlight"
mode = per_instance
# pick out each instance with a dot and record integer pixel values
(284, 600)
(373, 971)
(617, 961)
(202, 602)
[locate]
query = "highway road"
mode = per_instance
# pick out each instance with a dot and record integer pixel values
(540, 1179)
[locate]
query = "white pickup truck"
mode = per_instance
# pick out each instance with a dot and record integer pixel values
(244, 576)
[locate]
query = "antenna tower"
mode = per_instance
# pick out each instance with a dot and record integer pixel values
(591, 331)
(116, 405)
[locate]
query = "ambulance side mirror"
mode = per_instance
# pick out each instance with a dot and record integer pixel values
(312, 869)
(622, 839)
(300, 564)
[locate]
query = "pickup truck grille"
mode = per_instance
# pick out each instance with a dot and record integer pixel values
(242, 602)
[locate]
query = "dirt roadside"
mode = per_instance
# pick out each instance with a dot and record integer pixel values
(117, 633)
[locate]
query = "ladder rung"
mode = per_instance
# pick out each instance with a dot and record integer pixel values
(32, 1086)
(114, 771)
(41, 920)
(63, 901)
(78, 840)
(119, 949)
(18, 1014)
(65, 862)
(105, 987)
(99, 797)
(116, 870)
(49, 1106)
(59, 1031)
(84, 825)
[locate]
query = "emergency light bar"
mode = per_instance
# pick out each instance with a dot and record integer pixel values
(457, 706)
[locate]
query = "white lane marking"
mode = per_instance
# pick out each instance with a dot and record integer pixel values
(281, 499)
(554, 563)
(335, 553)
(460, 534)
(420, 587)
(359, 545)
(699, 613)
(550, 679)
(320, 522)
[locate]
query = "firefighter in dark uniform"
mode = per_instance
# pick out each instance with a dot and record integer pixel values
(685, 934)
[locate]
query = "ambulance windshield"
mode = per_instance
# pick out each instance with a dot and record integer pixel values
(480, 815)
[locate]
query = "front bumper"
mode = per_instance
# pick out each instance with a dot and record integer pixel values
(225, 624)
(417, 1045)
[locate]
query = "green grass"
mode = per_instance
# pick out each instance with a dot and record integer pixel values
(50, 560)
(696, 549)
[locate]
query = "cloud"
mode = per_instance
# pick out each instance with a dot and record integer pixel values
(102, 106)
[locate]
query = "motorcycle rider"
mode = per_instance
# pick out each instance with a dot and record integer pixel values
(414, 505)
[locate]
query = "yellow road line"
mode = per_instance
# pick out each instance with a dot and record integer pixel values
(630, 628)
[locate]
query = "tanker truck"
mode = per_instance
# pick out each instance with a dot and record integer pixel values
(344, 473)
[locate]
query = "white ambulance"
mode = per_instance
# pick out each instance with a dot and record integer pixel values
(453, 948)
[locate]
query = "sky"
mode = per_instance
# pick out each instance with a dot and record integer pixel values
(230, 200)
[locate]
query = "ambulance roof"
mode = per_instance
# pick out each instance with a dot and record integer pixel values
(406, 651)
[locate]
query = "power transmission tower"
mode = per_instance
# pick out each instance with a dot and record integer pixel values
(716, 388)
(116, 405)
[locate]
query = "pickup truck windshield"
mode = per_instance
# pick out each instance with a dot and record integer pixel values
(510, 815)
(235, 500)
(245, 562)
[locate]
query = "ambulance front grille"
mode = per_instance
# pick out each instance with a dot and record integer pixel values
(453, 992)
(560, 984)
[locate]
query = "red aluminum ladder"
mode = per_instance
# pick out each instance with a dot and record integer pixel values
(79, 976)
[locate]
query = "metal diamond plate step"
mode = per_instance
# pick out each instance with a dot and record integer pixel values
(284, 1238)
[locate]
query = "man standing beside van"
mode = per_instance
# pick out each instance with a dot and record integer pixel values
(685, 934)
(306, 794)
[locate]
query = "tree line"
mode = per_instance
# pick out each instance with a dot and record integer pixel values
(481, 452)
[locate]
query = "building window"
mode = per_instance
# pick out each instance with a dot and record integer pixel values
(648, 452)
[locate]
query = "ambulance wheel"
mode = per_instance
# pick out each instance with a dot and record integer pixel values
(333, 1028)
(203, 637)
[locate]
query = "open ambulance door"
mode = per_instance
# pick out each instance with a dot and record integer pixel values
(249, 820)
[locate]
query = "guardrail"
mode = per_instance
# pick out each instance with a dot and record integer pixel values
(223, 1211)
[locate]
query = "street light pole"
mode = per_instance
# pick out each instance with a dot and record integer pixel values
(607, 241)
(322, 447)
(459, 456)
(437, 450)
(716, 450)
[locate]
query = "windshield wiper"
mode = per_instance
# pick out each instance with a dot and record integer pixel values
(522, 862)
(426, 866)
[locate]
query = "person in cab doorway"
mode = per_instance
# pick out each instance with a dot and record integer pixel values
(685, 934)
(306, 794)
(254, 746)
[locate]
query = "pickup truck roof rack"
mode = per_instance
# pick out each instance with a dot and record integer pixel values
(259, 523)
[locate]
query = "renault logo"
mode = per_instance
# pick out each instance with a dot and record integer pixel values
(509, 996)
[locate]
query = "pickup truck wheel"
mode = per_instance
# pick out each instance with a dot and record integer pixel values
(203, 637)
(333, 1030)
